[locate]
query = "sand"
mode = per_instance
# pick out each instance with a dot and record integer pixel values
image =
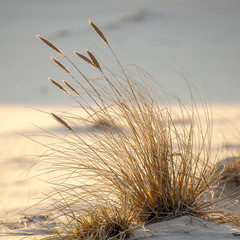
(21, 189)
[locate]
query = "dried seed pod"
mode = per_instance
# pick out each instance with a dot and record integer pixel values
(98, 31)
(61, 65)
(94, 61)
(61, 121)
(58, 85)
(84, 58)
(71, 87)
(49, 44)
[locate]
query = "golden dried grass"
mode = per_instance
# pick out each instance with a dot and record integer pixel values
(231, 170)
(152, 167)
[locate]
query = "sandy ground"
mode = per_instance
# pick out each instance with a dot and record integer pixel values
(22, 189)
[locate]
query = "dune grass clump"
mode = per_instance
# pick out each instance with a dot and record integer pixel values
(103, 224)
(231, 170)
(150, 162)
(106, 221)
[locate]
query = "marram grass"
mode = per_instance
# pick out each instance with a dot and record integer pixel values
(149, 163)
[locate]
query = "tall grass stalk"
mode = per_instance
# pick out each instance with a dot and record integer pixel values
(150, 161)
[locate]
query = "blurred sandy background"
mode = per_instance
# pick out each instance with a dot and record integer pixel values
(201, 36)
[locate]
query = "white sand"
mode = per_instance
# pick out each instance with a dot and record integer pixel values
(188, 228)
(19, 191)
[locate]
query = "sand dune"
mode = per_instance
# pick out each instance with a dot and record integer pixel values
(22, 189)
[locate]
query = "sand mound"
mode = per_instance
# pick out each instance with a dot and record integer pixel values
(187, 227)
